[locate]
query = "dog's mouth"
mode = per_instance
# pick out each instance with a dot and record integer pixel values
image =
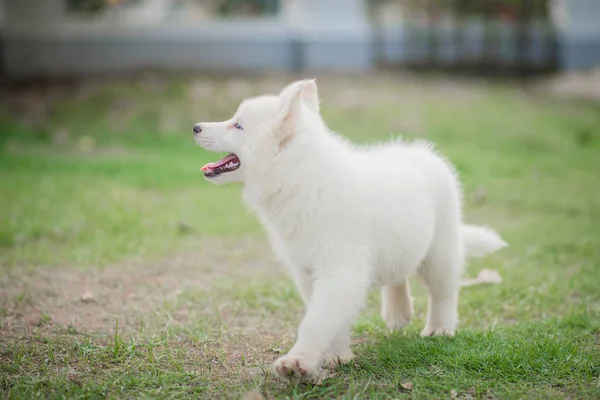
(226, 164)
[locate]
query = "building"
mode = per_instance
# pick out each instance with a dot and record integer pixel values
(49, 37)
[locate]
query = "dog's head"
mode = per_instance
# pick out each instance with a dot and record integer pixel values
(260, 125)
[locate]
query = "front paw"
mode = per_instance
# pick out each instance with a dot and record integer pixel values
(304, 365)
(342, 356)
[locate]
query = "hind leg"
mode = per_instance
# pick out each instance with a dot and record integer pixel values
(441, 273)
(396, 305)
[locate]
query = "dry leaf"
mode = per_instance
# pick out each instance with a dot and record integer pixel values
(252, 395)
(87, 297)
(407, 385)
(485, 276)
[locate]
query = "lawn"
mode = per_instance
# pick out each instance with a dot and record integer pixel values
(126, 275)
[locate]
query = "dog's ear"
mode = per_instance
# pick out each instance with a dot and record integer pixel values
(296, 93)
(310, 95)
(291, 99)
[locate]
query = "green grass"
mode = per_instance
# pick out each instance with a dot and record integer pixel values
(102, 194)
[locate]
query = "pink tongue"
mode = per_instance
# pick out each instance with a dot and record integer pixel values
(217, 164)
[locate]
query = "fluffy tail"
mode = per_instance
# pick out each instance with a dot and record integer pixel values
(480, 241)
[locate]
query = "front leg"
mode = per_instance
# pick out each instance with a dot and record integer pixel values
(338, 295)
(303, 283)
(340, 352)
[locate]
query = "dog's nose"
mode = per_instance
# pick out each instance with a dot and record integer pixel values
(197, 128)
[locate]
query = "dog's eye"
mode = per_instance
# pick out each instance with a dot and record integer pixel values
(238, 126)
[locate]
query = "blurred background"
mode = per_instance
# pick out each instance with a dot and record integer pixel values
(105, 217)
(108, 36)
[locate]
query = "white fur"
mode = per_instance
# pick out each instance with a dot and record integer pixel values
(344, 218)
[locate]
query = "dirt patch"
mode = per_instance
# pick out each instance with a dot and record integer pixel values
(91, 299)
(49, 310)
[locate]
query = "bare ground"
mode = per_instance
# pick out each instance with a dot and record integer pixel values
(195, 288)
(91, 299)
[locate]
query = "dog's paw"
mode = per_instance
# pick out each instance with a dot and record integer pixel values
(305, 366)
(437, 331)
(396, 319)
(341, 357)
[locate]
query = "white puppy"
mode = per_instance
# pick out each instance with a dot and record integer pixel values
(343, 218)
